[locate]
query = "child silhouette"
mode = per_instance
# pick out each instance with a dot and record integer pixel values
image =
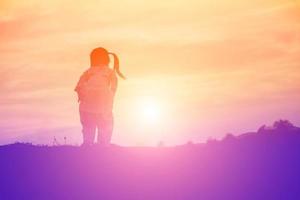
(96, 89)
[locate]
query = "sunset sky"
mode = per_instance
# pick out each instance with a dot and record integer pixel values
(208, 67)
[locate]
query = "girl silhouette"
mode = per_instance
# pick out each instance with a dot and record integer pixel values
(96, 89)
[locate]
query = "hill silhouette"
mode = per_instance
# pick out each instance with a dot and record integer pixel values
(259, 165)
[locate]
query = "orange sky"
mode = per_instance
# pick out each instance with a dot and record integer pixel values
(214, 66)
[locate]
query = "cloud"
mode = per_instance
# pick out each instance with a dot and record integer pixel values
(205, 56)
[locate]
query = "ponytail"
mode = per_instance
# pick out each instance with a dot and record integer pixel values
(117, 66)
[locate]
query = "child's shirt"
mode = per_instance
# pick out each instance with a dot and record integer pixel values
(96, 88)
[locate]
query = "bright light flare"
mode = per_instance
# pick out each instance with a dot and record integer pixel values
(150, 111)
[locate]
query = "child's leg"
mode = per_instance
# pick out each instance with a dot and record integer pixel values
(88, 121)
(105, 128)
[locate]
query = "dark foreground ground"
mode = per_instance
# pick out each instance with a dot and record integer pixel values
(253, 166)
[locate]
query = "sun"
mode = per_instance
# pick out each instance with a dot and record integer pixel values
(150, 119)
(150, 111)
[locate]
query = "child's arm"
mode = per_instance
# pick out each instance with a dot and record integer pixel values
(82, 79)
(114, 83)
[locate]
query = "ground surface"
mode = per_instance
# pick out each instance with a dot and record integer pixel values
(253, 166)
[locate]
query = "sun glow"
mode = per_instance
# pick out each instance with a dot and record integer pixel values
(150, 111)
(149, 118)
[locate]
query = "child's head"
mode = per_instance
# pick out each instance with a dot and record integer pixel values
(99, 57)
